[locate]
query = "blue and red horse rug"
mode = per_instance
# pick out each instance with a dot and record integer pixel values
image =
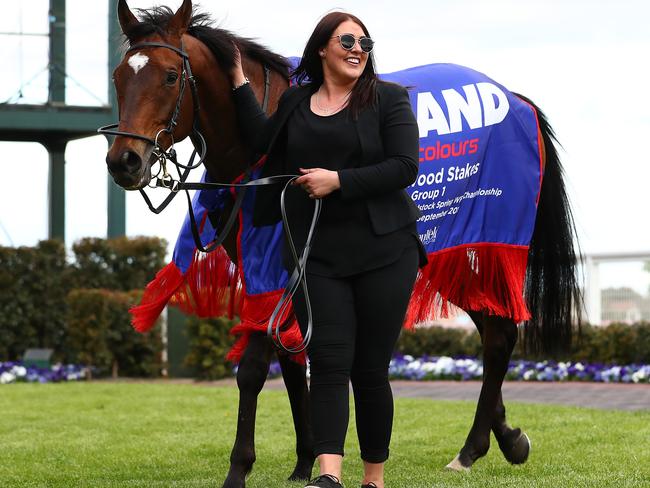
(478, 188)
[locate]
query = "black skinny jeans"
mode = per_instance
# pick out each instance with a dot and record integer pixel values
(356, 323)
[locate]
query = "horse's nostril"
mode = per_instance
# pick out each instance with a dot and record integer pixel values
(131, 161)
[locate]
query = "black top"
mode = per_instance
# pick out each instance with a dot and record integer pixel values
(344, 243)
(378, 166)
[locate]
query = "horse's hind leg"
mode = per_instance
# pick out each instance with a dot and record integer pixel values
(499, 337)
(251, 375)
(514, 443)
(295, 379)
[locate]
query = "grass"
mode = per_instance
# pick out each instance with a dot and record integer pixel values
(158, 435)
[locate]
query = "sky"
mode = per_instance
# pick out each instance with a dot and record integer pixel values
(585, 63)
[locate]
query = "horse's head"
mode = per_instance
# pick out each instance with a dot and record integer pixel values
(149, 83)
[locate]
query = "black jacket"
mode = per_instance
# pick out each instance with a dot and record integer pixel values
(388, 136)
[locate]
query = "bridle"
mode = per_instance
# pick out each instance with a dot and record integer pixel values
(162, 155)
(298, 277)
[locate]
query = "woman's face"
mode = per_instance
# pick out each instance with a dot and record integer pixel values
(342, 65)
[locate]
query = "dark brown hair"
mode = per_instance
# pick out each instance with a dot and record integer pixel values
(310, 69)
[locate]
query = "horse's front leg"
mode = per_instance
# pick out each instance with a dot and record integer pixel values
(295, 379)
(251, 375)
(499, 337)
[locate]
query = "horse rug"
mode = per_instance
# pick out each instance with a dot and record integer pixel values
(478, 187)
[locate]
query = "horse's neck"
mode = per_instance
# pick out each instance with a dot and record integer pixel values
(227, 156)
(217, 119)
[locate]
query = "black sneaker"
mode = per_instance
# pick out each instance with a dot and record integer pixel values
(325, 481)
(369, 485)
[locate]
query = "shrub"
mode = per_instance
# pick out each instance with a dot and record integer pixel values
(210, 341)
(33, 284)
(100, 334)
(614, 344)
(439, 341)
(120, 263)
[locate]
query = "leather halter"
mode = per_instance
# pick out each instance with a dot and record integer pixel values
(170, 154)
(298, 277)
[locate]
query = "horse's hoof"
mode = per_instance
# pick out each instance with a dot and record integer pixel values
(298, 475)
(303, 469)
(234, 481)
(518, 451)
(456, 465)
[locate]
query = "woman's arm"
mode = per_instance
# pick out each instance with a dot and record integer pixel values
(400, 138)
(252, 120)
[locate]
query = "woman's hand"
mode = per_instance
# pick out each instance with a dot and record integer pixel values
(318, 182)
(237, 77)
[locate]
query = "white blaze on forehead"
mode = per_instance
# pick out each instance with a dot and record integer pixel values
(138, 61)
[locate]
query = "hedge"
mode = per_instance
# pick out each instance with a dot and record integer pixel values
(100, 335)
(34, 282)
(614, 344)
(35, 311)
(210, 341)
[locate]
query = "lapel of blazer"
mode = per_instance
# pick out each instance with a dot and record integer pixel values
(365, 127)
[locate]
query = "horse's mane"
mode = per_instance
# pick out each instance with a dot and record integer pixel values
(219, 41)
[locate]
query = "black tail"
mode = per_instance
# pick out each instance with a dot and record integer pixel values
(552, 290)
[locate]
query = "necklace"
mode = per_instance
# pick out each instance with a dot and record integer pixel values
(334, 109)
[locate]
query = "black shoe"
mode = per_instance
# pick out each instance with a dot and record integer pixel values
(325, 481)
(369, 485)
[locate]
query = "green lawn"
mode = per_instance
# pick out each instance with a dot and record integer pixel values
(144, 435)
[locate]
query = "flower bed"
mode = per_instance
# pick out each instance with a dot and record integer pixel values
(446, 368)
(15, 372)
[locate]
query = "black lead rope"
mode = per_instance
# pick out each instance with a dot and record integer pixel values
(298, 277)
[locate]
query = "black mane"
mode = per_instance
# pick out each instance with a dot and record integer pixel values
(219, 41)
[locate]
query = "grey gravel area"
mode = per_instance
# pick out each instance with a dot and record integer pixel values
(591, 395)
(606, 396)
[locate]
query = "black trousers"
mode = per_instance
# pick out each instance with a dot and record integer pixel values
(356, 323)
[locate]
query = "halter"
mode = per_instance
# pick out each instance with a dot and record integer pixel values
(298, 277)
(162, 155)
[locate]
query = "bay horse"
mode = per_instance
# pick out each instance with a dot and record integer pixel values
(150, 82)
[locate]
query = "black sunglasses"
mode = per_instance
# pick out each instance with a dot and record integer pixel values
(347, 42)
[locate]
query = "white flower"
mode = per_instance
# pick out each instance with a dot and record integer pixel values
(7, 377)
(19, 371)
(444, 365)
(639, 376)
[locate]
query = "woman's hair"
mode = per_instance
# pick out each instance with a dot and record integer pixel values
(311, 68)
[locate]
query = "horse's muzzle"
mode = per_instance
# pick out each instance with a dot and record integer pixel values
(128, 170)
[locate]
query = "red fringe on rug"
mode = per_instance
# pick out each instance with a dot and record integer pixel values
(487, 277)
(210, 288)
(255, 314)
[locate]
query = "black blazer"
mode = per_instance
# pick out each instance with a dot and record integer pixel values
(388, 136)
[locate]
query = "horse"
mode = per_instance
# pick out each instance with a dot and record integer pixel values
(150, 84)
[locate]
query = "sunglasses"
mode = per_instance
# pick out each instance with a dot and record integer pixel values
(348, 40)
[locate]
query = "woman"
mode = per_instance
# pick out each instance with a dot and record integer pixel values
(354, 140)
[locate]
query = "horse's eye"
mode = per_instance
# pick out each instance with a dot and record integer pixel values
(172, 76)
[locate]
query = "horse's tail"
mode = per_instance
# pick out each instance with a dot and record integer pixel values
(551, 287)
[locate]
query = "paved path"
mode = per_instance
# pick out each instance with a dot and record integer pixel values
(592, 395)
(612, 396)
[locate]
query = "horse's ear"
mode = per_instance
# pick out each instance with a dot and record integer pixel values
(127, 19)
(181, 19)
